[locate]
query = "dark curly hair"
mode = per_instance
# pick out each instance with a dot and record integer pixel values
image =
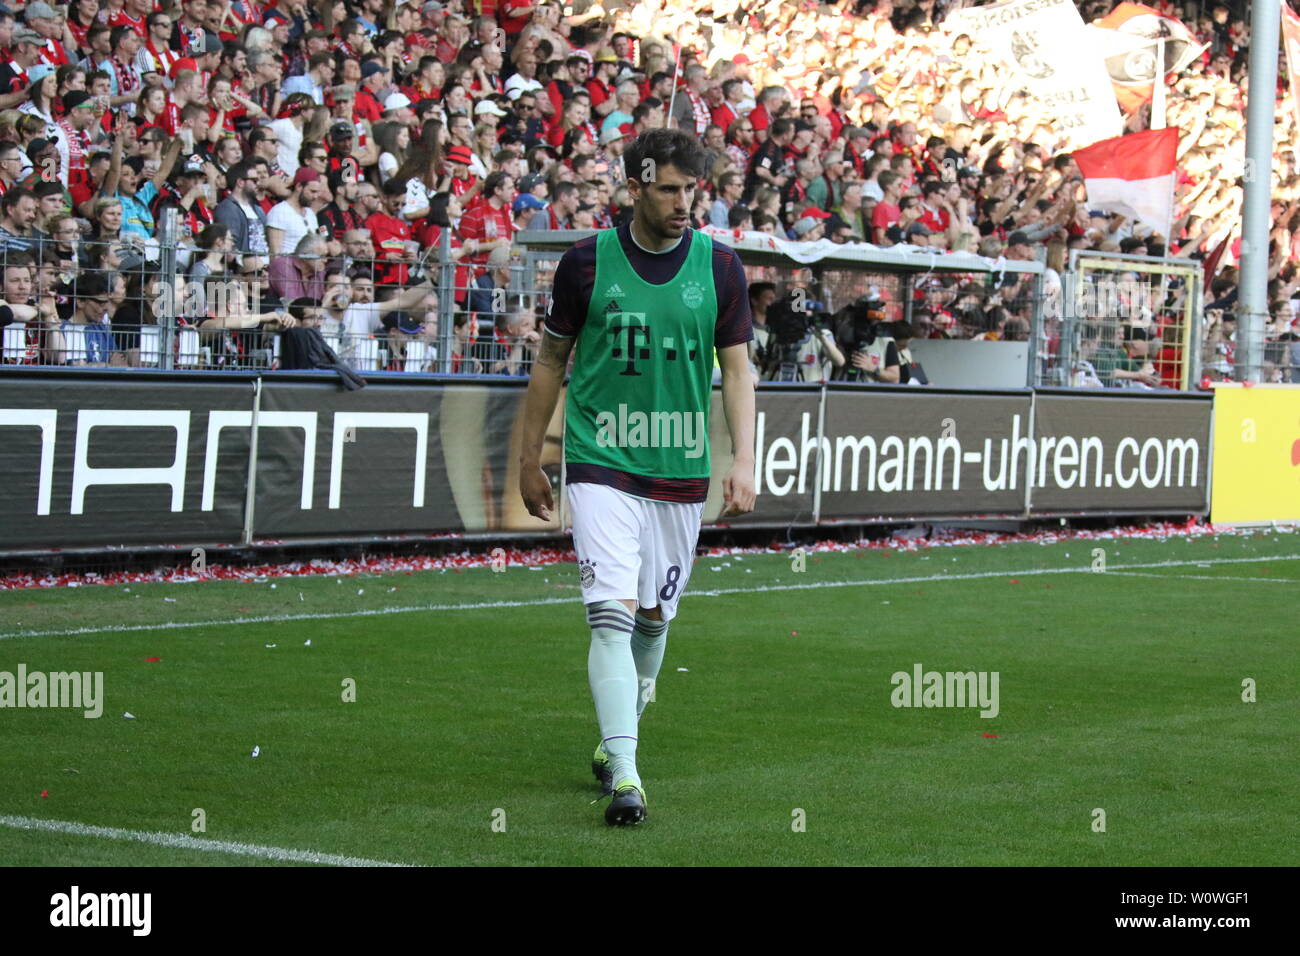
(665, 147)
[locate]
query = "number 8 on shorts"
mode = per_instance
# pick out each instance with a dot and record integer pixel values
(632, 548)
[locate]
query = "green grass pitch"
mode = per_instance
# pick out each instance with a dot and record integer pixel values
(773, 739)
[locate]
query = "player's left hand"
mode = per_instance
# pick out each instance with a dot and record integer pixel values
(738, 491)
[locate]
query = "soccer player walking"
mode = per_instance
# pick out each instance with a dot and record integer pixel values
(642, 307)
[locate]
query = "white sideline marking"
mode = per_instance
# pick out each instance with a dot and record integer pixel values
(1202, 577)
(716, 592)
(176, 841)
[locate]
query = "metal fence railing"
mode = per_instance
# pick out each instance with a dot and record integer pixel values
(1130, 322)
(151, 302)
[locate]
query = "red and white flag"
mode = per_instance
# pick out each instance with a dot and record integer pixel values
(1133, 176)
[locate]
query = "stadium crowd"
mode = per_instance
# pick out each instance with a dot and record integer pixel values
(318, 154)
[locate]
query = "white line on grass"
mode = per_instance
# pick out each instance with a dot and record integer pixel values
(716, 592)
(1203, 577)
(176, 841)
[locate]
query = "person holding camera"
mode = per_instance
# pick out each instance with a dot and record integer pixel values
(877, 349)
(889, 360)
(801, 346)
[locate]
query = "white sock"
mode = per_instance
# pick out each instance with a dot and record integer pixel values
(649, 639)
(612, 673)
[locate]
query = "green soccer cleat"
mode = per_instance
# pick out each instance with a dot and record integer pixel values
(628, 806)
(603, 770)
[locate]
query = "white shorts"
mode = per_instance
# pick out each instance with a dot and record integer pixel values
(633, 548)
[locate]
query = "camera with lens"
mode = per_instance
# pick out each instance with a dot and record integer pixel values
(857, 327)
(791, 321)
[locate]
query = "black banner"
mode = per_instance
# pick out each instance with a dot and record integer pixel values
(915, 452)
(393, 459)
(785, 412)
(137, 459)
(110, 460)
(1121, 453)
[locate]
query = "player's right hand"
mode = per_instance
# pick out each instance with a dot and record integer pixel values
(535, 487)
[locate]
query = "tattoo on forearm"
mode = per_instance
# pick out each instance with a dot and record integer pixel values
(554, 352)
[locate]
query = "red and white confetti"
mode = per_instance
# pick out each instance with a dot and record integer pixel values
(905, 540)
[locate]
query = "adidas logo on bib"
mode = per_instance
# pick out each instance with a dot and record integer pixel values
(613, 291)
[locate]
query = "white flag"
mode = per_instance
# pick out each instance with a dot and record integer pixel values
(1054, 59)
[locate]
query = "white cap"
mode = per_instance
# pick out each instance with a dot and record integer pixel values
(396, 101)
(486, 107)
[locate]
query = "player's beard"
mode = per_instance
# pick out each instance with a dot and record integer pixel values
(666, 229)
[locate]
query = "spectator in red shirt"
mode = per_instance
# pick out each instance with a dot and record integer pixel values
(491, 221)
(838, 119)
(390, 234)
(452, 36)
(515, 14)
(367, 106)
(574, 117)
(726, 112)
(221, 114)
(428, 81)
(42, 18)
(600, 86)
(133, 14)
(208, 57)
(934, 213)
(887, 211)
(771, 101)
(463, 183)
(563, 79)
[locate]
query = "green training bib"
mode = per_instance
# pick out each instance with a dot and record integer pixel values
(639, 396)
